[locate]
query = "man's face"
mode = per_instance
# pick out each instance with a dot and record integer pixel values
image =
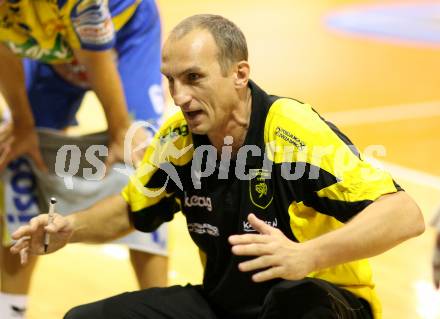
(197, 86)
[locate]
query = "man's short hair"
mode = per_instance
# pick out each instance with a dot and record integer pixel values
(229, 39)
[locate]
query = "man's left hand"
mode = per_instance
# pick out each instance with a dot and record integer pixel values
(136, 144)
(277, 256)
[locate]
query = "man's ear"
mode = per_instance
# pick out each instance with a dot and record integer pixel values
(242, 74)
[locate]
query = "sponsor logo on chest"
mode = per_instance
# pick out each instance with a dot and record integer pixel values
(204, 228)
(200, 201)
(247, 227)
(260, 188)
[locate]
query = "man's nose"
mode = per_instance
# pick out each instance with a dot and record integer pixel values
(181, 95)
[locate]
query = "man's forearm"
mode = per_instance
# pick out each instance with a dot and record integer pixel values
(12, 86)
(106, 83)
(106, 220)
(385, 223)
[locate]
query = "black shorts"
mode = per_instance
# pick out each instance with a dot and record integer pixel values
(305, 299)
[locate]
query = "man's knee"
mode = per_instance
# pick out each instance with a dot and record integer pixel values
(312, 298)
(74, 313)
(87, 311)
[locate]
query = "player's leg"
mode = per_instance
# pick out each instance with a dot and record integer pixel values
(156, 303)
(151, 269)
(18, 205)
(313, 298)
(48, 95)
(138, 46)
(15, 281)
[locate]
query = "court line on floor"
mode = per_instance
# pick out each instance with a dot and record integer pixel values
(384, 113)
(413, 175)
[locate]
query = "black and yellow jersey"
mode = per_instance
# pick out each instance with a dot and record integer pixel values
(295, 171)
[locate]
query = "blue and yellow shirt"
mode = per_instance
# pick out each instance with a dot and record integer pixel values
(295, 171)
(48, 30)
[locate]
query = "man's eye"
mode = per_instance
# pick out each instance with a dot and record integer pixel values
(193, 77)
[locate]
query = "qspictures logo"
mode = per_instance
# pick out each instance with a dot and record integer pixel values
(164, 152)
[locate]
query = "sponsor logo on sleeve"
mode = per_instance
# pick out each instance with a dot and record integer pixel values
(289, 138)
(92, 22)
(174, 132)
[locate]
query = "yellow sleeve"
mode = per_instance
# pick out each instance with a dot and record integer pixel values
(330, 174)
(151, 191)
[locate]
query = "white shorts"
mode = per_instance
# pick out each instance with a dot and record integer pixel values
(26, 191)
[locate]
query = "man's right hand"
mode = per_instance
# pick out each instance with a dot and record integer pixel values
(30, 238)
(17, 141)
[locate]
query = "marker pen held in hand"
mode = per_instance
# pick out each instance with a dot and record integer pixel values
(52, 203)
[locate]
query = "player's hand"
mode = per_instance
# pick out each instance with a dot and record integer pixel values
(276, 255)
(30, 238)
(436, 262)
(128, 147)
(16, 141)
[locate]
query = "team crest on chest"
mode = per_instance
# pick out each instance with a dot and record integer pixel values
(260, 188)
